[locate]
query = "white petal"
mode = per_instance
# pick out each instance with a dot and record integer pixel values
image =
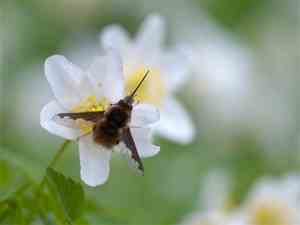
(144, 114)
(116, 37)
(46, 119)
(72, 123)
(142, 139)
(175, 123)
(94, 161)
(106, 75)
(67, 81)
(126, 152)
(175, 69)
(151, 34)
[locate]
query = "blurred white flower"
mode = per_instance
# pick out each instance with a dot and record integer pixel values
(168, 72)
(222, 79)
(76, 90)
(221, 63)
(213, 201)
(215, 191)
(275, 101)
(273, 202)
(223, 68)
(211, 218)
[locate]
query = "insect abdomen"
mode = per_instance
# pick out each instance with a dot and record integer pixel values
(108, 131)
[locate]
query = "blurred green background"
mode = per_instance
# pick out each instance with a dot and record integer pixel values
(261, 139)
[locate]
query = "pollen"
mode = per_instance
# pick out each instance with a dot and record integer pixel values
(153, 88)
(90, 104)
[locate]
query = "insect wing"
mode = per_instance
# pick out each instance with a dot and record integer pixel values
(70, 119)
(88, 116)
(134, 155)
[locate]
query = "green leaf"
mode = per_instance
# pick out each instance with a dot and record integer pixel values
(69, 196)
(10, 180)
(11, 212)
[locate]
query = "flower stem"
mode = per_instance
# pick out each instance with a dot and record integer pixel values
(52, 163)
(59, 153)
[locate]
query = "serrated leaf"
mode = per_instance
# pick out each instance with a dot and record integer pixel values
(69, 195)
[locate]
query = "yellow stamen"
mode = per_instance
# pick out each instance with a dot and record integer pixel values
(153, 88)
(90, 104)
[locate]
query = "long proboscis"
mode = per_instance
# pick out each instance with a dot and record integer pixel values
(140, 83)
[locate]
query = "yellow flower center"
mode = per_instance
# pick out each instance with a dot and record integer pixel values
(90, 104)
(271, 214)
(153, 88)
(151, 91)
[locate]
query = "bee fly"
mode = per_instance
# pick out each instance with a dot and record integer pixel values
(110, 127)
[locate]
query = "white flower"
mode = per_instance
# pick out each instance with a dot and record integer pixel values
(92, 90)
(273, 202)
(215, 190)
(223, 70)
(168, 71)
(213, 200)
(209, 218)
(270, 202)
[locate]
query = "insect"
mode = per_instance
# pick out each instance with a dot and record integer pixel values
(110, 127)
